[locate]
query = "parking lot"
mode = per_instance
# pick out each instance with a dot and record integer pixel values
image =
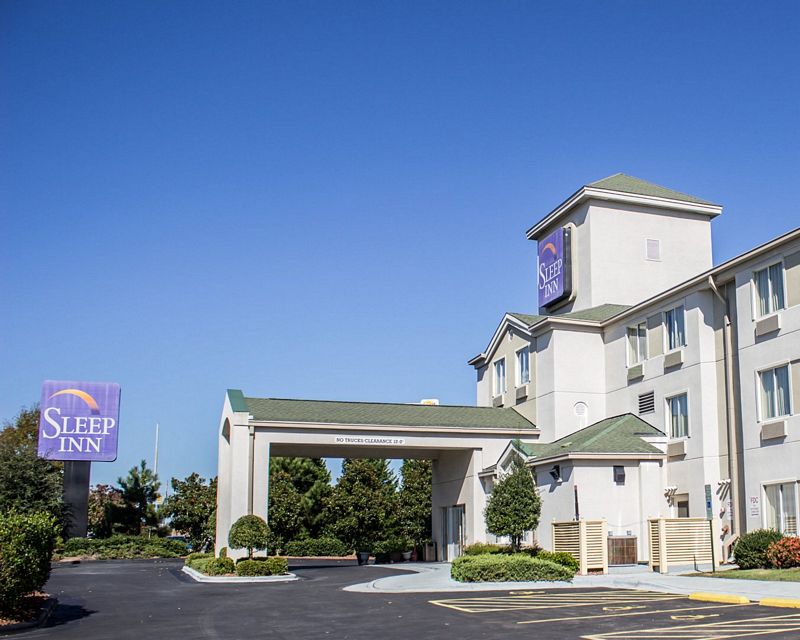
(134, 599)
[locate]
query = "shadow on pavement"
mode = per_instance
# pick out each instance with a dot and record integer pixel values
(66, 613)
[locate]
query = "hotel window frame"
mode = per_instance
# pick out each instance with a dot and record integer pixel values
(761, 393)
(673, 327)
(637, 332)
(764, 308)
(785, 522)
(518, 377)
(497, 390)
(669, 416)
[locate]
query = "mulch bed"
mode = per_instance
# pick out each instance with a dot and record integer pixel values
(27, 612)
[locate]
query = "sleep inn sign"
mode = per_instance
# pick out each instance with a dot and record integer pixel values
(554, 272)
(79, 420)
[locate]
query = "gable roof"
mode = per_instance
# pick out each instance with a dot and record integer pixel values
(385, 414)
(628, 190)
(617, 435)
(629, 184)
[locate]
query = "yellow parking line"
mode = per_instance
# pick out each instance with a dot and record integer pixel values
(710, 630)
(635, 613)
(493, 604)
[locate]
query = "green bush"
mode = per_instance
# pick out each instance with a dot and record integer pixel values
(750, 549)
(198, 556)
(219, 566)
(124, 547)
(262, 567)
(560, 557)
(481, 548)
(326, 546)
(501, 568)
(199, 561)
(249, 532)
(785, 553)
(26, 545)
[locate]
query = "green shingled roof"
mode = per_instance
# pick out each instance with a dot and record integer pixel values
(388, 414)
(629, 184)
(620, 434)
(600, 313)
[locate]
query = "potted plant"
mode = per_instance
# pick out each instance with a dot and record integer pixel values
(382, 550)
(362, 557)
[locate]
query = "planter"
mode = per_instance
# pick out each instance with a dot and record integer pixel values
(381, 558)
(363, 557)
(407, 555)
(396, 556)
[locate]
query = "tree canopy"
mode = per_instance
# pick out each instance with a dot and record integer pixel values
(29, 483)
(139, 492)
(311, 480)
(414, 500)
(514, 506)
(191, 507)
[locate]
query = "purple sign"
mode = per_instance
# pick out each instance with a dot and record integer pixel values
(79, 420)
(554, 276)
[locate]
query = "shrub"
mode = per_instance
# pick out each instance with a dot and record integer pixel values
(219, 566)
(262, 567)
(560, 557)
(480, 548)
(750, 550)
(785, 553)
(249, 532)
(26, 545)
(198, 556)
(502, 568)
(200, 564)
(123, 547)
(326, 546)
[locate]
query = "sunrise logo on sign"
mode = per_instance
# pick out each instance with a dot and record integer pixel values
(79, 420)
(554, 273)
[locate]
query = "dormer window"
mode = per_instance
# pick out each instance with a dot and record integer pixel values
(500, 377)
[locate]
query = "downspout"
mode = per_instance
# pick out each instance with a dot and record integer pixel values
(251, 451)
(733, 448)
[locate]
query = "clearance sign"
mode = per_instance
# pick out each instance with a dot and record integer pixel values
(79, 420)
(555, 268)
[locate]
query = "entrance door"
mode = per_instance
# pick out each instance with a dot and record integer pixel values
(453, 524)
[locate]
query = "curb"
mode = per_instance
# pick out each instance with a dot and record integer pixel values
(44, 614)
(199, 577)
(722, 598)
(787, 603)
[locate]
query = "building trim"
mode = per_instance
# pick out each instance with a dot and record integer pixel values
(322, 426)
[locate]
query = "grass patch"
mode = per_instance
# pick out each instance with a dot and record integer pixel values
(777, 575)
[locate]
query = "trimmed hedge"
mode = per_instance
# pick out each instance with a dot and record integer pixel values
(785, 553)
(750, 550)
(124, 547)
(274, 566)
(481, 548)
(560, 557)
(501, 568)
(26, 546)
(219, 566)
(199, 561)
(316, 547)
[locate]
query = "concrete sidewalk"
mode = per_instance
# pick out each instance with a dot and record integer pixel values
(435, 578)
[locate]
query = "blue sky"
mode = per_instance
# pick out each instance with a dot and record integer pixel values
(328, 199)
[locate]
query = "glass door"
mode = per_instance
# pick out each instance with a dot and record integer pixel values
(453, 532)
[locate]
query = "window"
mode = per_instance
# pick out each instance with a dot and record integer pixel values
(652, 249)
(647, 402)
(775, 392)
(523, 367)
(769, 289)
(637, 344)
(678, 416)
(676, 329)
(500, 377)
(781, 507)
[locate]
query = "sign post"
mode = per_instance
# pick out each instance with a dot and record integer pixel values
(78, 424)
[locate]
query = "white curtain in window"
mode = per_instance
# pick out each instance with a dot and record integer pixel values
(762, 291)
(768, 394)
(524, 366)
(633, 356)
(679, 416)
(789, 509)
(782, 390)
(776, 284)
(772, 508)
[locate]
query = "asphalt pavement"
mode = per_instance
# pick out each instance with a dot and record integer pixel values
(154, 599)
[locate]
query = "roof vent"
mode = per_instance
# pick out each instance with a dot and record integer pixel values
(653, 249)
(433, 402)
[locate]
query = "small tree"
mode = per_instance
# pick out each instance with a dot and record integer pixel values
(249, 532)
(514, 506)
(105, 503)
(139, 492)
(191, 506)
(285, 509)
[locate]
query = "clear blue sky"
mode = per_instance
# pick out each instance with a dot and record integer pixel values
(328, 199)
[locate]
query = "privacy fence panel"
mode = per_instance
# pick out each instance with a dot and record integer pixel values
(680, 542)
(584, 540)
